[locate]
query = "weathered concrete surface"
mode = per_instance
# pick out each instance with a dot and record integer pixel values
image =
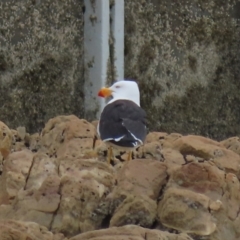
(185, 55)
(41, 64)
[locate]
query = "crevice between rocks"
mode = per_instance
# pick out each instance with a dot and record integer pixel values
(106, 222)
(29, 173)
(185, 159)
(58, 166)
(162, 190)
(94, 141)
(158, 225)
(238, 212)
(198, 237)
(145, 236)
(155, 224)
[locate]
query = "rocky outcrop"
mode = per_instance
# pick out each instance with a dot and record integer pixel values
(84, 183)
(130, 232)
(16, 230)
(134, 198)
(5, 142)
(58, 185)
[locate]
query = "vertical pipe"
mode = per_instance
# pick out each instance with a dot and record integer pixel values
(96, 54)
(117, 28)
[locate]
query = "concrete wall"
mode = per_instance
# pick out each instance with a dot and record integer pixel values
(41, 61)
(185, 55)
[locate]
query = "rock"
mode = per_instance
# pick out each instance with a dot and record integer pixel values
(181, 205)
(197, 146)
(61, 129)
(172, 158)
(151, 150)
(139, 210)
(46, 198)
(141, 177)
(208, 149)
(95, 123)
(17, 145)
(21, 132)
(5, 140)
(233, 144)
(15, 173)
(84, 183)
(130, 232)
(228, 161)
(155, 136)
(42, 167)
(77, 147)
(204, 178)
(17, 230)
(231, 196)
(159, 146)
(34, 142)
(138, 185)
(186, 211)
(60, 180)
(168, 140)
(32, 184)
(15, 136)
(21, 139)
(37, 205)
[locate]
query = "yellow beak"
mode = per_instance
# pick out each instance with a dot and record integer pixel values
(105, 92)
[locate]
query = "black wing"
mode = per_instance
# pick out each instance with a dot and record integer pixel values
(123, 123)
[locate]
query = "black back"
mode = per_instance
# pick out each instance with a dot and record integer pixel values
(123, 118)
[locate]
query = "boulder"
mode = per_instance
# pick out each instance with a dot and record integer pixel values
(130, 232)
(84, 183)
(186, 211)
(18, 230)
(134, 198)
(61, 129)
(15, 174)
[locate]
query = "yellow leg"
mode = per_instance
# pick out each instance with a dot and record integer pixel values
(129, 156)
(109, 155)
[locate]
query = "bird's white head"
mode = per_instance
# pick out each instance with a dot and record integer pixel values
(122, 90)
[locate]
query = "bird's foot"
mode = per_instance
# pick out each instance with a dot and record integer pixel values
(129, 156)
(109, 155)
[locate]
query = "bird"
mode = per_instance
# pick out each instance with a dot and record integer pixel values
(122, 123)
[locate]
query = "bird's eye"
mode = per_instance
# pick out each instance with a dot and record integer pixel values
(117, 86)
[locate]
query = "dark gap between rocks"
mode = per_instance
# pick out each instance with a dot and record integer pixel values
(106, 221)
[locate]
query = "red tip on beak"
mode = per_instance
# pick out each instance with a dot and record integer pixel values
(105, 92)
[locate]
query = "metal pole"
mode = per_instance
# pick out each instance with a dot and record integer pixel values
(96, 50)
(117, 28)
(96, 54)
